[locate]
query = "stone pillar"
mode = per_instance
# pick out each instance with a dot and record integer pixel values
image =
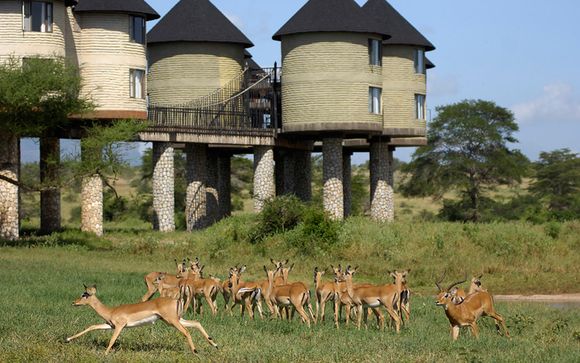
(9, 169)
(333, 198)
(279, 171)
(163, 187)
(91, 195)
(347, 183)
(303, 186)
(212, 194)
(225, 186)
(49, 197)
(264, 184)
(382, 201)
(289, 172)
(196, 175)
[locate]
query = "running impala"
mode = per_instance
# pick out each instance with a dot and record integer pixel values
(134, 315)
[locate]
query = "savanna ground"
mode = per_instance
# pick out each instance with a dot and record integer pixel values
(42, 276)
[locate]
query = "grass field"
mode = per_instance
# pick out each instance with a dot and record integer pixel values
(42, 275)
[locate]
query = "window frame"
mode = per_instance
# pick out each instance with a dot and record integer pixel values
(379, 52)
(133, 72)
(375, 108)
(47, 21)
(132, 30)
(420, 106)
(420, 61)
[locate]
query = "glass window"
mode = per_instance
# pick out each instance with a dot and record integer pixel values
(420, 106)
(137, 27)
(37, 16)
(420, 61)
(137, 83)
(375, 100)
(375, 52)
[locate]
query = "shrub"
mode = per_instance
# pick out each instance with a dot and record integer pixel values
(278, 216)
(553, 229)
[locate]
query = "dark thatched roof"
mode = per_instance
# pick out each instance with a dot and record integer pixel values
(196, 21)
(429, 64)
(393, 23)
(330, 16)
(117, 6)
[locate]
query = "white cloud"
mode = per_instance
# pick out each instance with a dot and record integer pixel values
(557, 103)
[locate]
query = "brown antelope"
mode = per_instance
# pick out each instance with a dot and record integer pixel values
(245, 292)
(169, 280)
(296, 295)
(467, 312)
(134, 315)
(342, 299)
(194, 287)
(475, 286)
(166, 290)
(325, 292)
(387, 295)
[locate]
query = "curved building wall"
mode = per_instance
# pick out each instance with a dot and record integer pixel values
(19, 43)
(105, 56)
(326, 80)
(181, 72)
(401, 84)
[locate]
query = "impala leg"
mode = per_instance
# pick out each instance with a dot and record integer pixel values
(198, 326)
(116, 333)
(394, 317)
(300, 309)
(474, 329)
(336, 308)
(312, 317)
(380, 318)
(90, 328)
(318, 303)
(210, 303)
(177, 323)
(260, 311)
(455, 332)
(499, 320)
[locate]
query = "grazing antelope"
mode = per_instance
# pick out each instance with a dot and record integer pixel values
(134, 315)
(169, 280)
(245, 292)
(466, 313)
(373, 296)
(296, 295)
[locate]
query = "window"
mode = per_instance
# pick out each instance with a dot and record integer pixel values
(137, 83)
(375, 100)
(420, 61)
(37, 16)
(137, 27)
(375, 52)
(420, 106)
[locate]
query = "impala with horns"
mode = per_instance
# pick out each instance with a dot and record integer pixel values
(296, 295)
(134, 315)
(169, 280)
(468, 310)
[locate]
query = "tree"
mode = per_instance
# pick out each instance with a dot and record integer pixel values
(468, 151)
(558, 182)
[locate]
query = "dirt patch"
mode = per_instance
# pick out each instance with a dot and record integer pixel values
(560, 298)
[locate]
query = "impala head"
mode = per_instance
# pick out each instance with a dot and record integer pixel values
(182, 269)
(87, 297)
(318, 274)
(159, 278)
(270, 274)
(279, 264)
(400, 277)
(349, 272)
(338, 274)
(447, 295)
(476, 281)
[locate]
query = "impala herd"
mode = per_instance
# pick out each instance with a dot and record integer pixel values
(188, 288)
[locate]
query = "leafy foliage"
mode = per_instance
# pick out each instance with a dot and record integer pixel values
(468, 150)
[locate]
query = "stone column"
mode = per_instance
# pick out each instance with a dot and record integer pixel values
(50, 197)
(264, 184)
(212, 194)
(9, 169)
(279, 171)
(91, 195)
(303, 186)
(289, 172)
(196, 175)
(347, 183)
(333, 198)
(163, 187)
(225, 185)
(382, 201)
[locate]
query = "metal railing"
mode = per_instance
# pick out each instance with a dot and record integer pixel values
(247, 105)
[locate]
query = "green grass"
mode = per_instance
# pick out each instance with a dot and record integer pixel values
(42, 275)
(40, 283)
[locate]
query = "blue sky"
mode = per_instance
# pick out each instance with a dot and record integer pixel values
(522, 54)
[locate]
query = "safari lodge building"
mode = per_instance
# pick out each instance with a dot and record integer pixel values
(352, 79)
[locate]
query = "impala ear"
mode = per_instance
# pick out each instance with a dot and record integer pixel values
(265, 269)
(291, 267)
(273, 262)
(286, 262)
(85, 286)
(243, 268)
(316, 269)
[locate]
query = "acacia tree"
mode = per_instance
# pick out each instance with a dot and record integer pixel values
(468, 151)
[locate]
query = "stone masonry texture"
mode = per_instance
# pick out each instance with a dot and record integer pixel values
(163, 187)
(264, 183)
(49, 198)
(333, 197)
(347, 183)
(382, 195)
(196, 198)
(9, 203)
(92, 205)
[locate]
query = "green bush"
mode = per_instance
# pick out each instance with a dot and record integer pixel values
(317, 230)
(278, 216)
